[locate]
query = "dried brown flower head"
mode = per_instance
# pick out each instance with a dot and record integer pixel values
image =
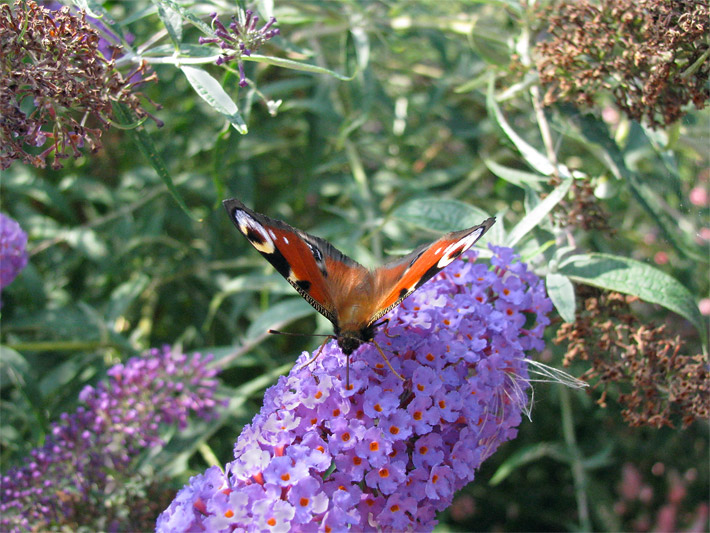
(656, 384)
(53, 81)
(651, 55)
(583, 209)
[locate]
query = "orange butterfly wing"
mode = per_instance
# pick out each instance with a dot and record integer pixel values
(398, 279)
(313, 266)
(346, 293)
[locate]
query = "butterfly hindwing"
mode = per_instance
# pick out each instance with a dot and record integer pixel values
(307, 262)
(398, 279)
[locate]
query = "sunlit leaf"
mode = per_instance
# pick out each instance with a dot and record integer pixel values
(632, 277)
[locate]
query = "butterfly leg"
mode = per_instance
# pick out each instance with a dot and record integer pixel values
(308, 363)
(387, 360)
(382, 323)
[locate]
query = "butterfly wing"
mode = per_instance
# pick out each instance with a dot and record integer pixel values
(400, 278)
(313, 266)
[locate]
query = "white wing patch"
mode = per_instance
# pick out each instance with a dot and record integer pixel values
(255, 232)
(456, 249)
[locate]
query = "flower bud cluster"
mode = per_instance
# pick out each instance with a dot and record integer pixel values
(241, 39)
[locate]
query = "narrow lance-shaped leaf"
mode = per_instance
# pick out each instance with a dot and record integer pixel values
(593, 130)
(296, 65)
(536, 159)
(540, 211)
(517, 177)
(212, 92)
(147, 147)
(172, 21)
(561, 292)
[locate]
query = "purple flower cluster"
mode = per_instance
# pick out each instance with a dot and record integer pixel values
(88, 455)
(243, 39)
(13, 250)
(385, 454)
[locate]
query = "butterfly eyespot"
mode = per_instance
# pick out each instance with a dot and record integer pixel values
(456, 249)
(458, 252)
(317, 254)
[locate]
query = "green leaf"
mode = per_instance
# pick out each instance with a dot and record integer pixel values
(592, 130)
(187, 15)
(629, 276)
(124, 295)
(517, 177)
(295, 65)
(441, 216)
(491, 43)
(276, 316)
(184, 51)
(85, 240)
(529, 454)
(212, 92)
(172, 21)
(540, 211)
(561, 292)
(361, 41)
(536, 159)
(13, 368)
(147, 147)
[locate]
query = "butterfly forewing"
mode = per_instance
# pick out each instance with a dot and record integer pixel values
(309, 263)
(398, 279)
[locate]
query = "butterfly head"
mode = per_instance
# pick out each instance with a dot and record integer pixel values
(349, 341)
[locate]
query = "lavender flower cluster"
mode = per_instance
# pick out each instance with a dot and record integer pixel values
(243, 39)
(88, 453)
(385, 454)
(13, 250)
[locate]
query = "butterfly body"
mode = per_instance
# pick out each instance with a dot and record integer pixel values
(351, 296)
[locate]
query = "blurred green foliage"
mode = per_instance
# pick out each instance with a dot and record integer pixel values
(427, 107)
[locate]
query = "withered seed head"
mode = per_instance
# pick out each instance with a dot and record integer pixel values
(657, 385)
(646, 53)
(53, 81)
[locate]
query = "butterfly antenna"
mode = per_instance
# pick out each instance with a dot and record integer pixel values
(277, 332)
(387, 360)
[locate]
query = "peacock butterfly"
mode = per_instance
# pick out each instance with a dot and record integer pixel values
(352, 297)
